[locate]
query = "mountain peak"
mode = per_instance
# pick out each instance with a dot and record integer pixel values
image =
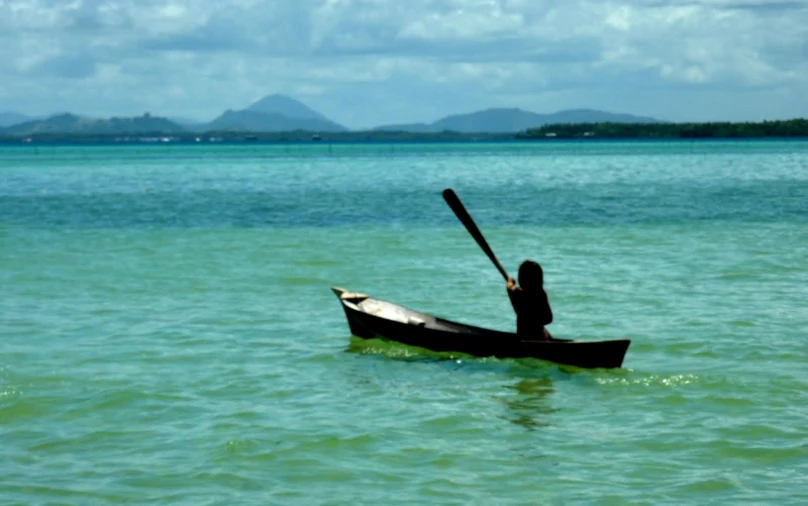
(285, 106)
(275, 113)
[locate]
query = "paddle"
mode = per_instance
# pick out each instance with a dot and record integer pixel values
(460, 211)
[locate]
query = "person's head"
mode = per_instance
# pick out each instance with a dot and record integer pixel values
(531, 277)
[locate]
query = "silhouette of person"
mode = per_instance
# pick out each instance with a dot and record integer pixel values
(530, 302)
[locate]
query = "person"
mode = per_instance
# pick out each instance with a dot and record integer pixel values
(530, 302)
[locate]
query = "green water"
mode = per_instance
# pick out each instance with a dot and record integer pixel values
(168, 336)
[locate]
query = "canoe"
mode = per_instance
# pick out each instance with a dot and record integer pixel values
(370, 318)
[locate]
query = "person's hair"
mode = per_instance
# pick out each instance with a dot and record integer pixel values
(531, 277)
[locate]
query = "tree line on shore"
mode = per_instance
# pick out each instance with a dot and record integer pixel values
(711, 130)
(715, 130)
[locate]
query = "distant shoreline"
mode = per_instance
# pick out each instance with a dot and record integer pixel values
(343, 142)
(585, 132)
(326, 143)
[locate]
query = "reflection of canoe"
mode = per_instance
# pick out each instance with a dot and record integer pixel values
(370, 318)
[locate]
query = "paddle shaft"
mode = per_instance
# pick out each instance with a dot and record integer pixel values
(460, 211)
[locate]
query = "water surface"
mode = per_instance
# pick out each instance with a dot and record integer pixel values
(168, 336)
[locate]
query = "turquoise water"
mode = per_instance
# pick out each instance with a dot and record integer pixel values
(168, 336)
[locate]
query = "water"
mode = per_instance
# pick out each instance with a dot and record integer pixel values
(167, 335)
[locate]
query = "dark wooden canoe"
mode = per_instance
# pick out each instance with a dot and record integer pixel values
(372, 318)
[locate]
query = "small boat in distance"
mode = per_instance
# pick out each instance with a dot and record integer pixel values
(372, 318)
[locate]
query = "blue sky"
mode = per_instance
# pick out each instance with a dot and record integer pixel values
(370, 62)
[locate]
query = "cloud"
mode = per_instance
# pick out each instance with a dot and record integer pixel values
(365, 62)
(70, 67)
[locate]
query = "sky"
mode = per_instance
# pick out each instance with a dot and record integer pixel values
(365, 63)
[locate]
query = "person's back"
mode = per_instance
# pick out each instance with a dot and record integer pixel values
(530, 302)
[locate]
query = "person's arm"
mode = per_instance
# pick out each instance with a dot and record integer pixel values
(514, 294)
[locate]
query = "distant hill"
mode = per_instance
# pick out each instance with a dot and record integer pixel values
(73, 124)
(595, 116)
(511, 120)
(252, 121)
(286, 106)
(274, 113)
(8, 119)
(279, 113)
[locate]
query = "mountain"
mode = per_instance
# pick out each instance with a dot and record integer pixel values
(511, 120)
(73, 124)
(8, 119)
(274, 113)
(595, 116)
(286, 106)
(252, 121)
(279, 113)
(491, 120)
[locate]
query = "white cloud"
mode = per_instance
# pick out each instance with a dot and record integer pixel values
(365, 62)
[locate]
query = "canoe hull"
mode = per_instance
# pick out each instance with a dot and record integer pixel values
(371, 318)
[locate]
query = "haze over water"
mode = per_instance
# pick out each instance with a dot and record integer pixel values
(168, 336)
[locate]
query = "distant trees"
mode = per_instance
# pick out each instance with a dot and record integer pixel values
(720, 130)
